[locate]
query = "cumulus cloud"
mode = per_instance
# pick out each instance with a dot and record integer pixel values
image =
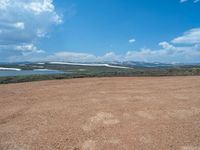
(110, 56)
(168, 53)
(83, 57)
(23, 22)
(71, 57)
(166, 45)
(188, 51)
(28, 48)
(179, 55)
(190, 37)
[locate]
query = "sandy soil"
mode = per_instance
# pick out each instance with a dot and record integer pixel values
(101, 114)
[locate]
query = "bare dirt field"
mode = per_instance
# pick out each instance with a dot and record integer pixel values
(152, 113)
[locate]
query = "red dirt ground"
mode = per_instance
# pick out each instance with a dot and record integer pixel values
(155, 113)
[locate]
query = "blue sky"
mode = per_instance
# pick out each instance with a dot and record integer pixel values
(100, 30)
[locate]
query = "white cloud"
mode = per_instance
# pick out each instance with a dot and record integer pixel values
(168, 52)
(71, 57)
(110, 56)
(182, 1)
(4, 4)
(83, 57)
(40, 6)
(132, 41)
(190, 37)
(176, 54)
(166, 45)
(19, 25)
(194, 1)
(23, 22)
(28, 48)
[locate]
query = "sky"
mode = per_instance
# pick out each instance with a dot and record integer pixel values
(165, 31)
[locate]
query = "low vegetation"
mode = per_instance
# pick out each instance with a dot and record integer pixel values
(88, 71)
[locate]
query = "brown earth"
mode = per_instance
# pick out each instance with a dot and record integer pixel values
(158, 113)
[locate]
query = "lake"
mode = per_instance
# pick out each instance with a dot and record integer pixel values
(7, 73)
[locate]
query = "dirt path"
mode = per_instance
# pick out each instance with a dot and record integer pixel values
(101, 114)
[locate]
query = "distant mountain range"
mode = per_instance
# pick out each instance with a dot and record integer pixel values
(127, 64)
(154, 64)
(114, 64)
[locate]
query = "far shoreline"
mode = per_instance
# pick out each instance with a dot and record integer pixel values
(41, 78)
